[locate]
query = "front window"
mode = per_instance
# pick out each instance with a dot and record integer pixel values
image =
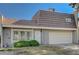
(16, 35)
(68, 19)
(22, 35)
(28, 35)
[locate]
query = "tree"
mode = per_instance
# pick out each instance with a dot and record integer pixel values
(72, 4)
(75, 6)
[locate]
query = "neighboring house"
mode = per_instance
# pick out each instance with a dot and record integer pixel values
(7, 21)
(46, 26)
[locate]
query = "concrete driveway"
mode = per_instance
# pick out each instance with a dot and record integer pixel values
(69, 49)
(74, 48)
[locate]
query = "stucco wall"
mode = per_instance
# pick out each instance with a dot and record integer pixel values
(75, 40)
(42, 36)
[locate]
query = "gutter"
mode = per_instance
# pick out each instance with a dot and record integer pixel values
(36, 27)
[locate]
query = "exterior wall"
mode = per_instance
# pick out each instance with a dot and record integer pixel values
(76, 36)
(42, 36)
(7, 37)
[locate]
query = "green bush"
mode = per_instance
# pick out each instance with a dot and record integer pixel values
(33, 43)
(21, 44)
(26, 43)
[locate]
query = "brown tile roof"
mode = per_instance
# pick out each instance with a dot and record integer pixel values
(49, 19)
(7, 21)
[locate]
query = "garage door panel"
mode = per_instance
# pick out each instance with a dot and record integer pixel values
(60, 37)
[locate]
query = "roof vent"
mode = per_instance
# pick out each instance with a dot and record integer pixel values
(51, 9)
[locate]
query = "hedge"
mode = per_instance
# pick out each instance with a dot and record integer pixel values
(24, 43)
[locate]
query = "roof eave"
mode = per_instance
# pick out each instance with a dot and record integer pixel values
(36, 27)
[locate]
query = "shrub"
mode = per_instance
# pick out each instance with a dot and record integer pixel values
(33, 43)
(26, 43)
(21, 44)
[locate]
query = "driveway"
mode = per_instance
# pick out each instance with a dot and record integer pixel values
(73, 48)
(43, 50)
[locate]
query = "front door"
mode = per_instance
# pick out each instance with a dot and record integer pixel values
(45, 37)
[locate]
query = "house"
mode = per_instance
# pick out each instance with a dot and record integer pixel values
(46, 26)
(7, 21)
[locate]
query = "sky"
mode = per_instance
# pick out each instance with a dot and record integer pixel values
(27, 10)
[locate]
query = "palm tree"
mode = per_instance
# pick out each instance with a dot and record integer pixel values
(76, 14)
(72, 4)
(75, 6)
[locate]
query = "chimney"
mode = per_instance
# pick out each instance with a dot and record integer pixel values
(51, 9)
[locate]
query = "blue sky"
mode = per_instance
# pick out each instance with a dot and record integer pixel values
(27, 10)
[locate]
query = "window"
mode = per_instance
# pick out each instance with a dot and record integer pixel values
(68, 19)
(15, 32)
(16, 35)
(22, 35)
(28, 35)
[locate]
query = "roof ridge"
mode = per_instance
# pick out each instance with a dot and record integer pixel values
(57, 12)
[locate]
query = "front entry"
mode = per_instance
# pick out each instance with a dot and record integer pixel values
(44, 37)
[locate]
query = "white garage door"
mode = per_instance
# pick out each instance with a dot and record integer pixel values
(60, 37)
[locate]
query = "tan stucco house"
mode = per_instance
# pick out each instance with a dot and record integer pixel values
(46, 26)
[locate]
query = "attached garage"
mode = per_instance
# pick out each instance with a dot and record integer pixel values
(60, 37)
